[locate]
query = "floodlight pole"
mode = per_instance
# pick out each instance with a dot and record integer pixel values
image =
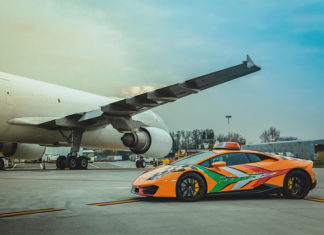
(228, 122)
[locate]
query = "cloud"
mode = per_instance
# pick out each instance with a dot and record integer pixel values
(63, 43)
(136, 90)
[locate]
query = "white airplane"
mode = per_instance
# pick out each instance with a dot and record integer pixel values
(36, 114)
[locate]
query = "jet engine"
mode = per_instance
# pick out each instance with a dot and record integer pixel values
(148, 142)
(22, 151)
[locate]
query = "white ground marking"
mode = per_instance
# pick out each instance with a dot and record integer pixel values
(93, 165)
(121, 187)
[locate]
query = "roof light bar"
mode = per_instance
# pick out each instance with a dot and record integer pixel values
(227, 145)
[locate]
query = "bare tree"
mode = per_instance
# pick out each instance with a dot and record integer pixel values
(192, 139)
(233, 137)
(271, 135)
(210, 133)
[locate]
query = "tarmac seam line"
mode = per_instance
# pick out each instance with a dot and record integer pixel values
(29, 212)
(114, 202)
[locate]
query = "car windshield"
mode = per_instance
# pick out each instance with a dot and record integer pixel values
(193, 158)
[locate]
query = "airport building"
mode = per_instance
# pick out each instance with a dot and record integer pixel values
(305, 149)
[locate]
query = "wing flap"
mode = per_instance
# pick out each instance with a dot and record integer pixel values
(31, 121)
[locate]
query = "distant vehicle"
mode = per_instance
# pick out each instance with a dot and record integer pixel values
(227, 169)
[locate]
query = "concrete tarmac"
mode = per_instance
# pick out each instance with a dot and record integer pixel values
(73, 191)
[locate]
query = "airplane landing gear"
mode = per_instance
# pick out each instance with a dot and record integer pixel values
(72, 161)
(1, 164)
(60, 162)
(82, 162)
(140, 163)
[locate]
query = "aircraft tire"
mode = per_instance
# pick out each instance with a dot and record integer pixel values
(138, 164)
(60, 162)
(83, 163)
(72, 162)
(297, 185)
(1, 164)
(142, 163)
(79, 163)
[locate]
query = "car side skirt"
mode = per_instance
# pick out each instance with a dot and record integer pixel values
(262, 189)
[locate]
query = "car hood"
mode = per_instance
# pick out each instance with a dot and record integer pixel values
(164, 170)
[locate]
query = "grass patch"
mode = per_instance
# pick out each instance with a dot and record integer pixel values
(318, 164)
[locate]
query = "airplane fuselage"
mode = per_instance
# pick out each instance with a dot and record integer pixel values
(35, 101)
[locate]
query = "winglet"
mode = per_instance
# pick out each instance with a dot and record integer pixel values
(249, 62)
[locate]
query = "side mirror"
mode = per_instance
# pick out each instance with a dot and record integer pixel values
(218, 164)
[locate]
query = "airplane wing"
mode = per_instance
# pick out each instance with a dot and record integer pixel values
(119, 112)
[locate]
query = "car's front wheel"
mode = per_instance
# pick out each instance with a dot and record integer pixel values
(190, 187)
(297, 184)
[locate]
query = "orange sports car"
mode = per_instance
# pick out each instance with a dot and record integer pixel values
(227, 169)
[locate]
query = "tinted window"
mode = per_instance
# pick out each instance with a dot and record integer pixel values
(257, 157)
(235, 159)
(254, 157)
(205, 163)
(229, 158)
(209, 162)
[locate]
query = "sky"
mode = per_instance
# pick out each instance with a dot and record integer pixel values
(119, 48)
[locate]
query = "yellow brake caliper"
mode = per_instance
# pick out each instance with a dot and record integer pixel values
(290, 183)
(196, 188)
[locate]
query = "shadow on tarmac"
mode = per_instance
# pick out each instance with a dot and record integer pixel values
(209, 198)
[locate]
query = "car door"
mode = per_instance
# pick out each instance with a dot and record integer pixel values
(252, 174)
(243, 171)
(241, 175)
(227, 178)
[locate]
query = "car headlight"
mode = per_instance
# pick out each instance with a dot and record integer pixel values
(158, 176)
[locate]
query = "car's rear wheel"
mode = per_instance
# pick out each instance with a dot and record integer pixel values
(297, 184)
(190, 187)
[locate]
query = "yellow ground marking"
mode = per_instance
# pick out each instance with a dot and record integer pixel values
(29, 212)
(321, 199)
(114, 202)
